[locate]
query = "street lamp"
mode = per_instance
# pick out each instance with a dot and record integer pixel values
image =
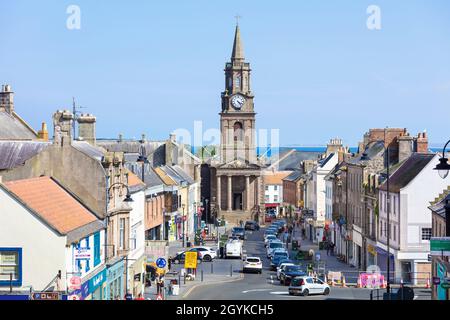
(184, 217)
(443, 167)
(128, 196)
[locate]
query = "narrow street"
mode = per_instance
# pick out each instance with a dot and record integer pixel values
(265, 286)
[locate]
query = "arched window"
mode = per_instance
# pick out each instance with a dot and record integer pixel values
(238, 131)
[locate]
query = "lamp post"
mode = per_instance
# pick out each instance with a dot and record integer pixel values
(184, 217)
(206, 208)
(388, 286)
(443, 168)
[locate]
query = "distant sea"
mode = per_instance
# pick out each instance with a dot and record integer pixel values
(320, 149)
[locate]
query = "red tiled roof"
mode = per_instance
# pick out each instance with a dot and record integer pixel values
(52, 203)
(133, 180)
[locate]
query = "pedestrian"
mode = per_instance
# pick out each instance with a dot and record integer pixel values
(328, 247)
(332, 248)
(140, 297)
(169, 263)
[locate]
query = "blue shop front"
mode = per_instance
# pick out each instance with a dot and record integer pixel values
(115, 280)
(91, 289)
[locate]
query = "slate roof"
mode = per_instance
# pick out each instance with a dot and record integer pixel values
(151, 178)
(372, 150)
(59, 209)
(12, 127)
(15, 153)
(409, 169)
(291, 160)
(89, 150)
(323, 162)
(294, 176)
(438, 207)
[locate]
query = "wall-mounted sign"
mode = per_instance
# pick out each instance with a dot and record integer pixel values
(82, 253)
(440, 246)
(74, 283)
(46, 296)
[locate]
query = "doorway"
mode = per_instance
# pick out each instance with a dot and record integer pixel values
(237, 201)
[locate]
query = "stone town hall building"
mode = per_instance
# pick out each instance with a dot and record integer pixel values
(236, 184)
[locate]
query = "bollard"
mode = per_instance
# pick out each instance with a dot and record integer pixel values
(185, 278)
(202, 275)
(231, 270)
(212, 268)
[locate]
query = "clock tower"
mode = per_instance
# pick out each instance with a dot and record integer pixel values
(236, 186)
(237, 119)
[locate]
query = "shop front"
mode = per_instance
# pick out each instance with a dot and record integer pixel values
(92, 288)
(115, 280)
(382, 259)
(136, 276)
(371, 254)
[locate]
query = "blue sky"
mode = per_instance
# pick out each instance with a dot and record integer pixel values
(155, 66)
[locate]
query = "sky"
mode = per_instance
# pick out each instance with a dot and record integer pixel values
(318, 71)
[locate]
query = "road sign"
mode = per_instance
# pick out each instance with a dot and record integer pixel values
(190, 261)
(440, 246)
(436, 280)
(161, 263)
(46, 296)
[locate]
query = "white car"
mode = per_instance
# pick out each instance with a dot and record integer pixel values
(308, 285)
(252, 264)
(272, 246)
(269, 238)
(233, 249)
(206, 253)
(281, 268)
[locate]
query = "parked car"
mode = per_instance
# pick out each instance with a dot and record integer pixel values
(233, 249)
(251, 225)
(282, 267)
(181, 256)
(205, 253)
(290, 273)
(253, 264)
(269, 238)
(272, 245)
(276, 257)
(238, 232)
(308, 285)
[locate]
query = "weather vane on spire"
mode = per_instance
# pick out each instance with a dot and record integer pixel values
(237, 19)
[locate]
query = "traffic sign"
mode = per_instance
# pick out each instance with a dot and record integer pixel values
(445, 285)
(190, 261)
(159, 297)
(161, 263)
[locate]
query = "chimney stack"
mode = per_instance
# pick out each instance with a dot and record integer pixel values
(7, 99)
(62, 127)
(86, 128)
(43, 133)
(422, 142)
(405, 147)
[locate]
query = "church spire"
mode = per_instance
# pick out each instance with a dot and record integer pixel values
(238, 49)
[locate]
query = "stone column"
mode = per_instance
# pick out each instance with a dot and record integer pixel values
(229, 194)
(219, 193)
(247, 191)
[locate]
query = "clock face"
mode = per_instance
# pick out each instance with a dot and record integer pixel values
(237, 101)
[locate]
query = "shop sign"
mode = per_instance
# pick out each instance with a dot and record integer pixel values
(82, 253)
(46, 296)
(371, 249)
(440, 246)
(75, 283)
(445, 285)
(97, 280)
